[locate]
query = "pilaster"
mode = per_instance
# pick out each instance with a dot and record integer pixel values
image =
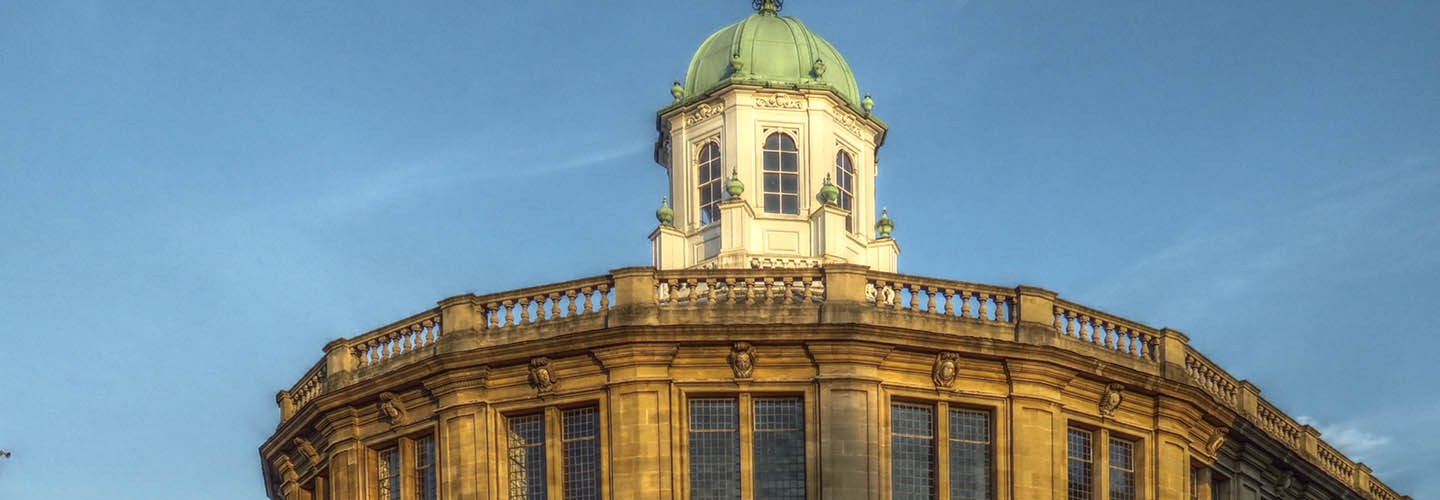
(642, 461)
(851, 408)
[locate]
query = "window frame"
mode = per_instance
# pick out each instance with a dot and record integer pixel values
(746, 409)
(846, 200)
(553, 423)
(715, 186)
(1100, 466)
(941, 438)
(798, 174)
(405, 446)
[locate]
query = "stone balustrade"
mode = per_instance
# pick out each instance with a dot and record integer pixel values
(1106, 331)
(398, 339)
(941, 297)
(545, 303)
(1214, 380)
(590, 301)
(739, 286)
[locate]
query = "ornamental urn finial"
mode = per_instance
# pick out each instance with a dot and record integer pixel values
(867, 104)
(665, 214)
(884, 226)
(737, 64)
(734, 186)
(677, 91)
(770, 7)
(828, 192)
(818, 69)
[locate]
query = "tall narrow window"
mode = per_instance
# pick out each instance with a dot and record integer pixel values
(526, 450)
(845, 180)
(970, 455)
(710, 177)
(1081, 483)
(425, 468)
(782, 175)
(582, 454)
(779, 454)
(912, 448)
(1122, 469)
(714, 449)
(389, 470)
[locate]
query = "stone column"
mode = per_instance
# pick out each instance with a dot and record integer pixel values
(346, 455)
(462, 438)
(1172, 448)
(851, 409)
(640, 416)
(1037, 429)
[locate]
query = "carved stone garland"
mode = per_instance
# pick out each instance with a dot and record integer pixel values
(947, 366)
(742, 359)
(541, 376)
(1110, 401)
(703, 111)
(779, 101)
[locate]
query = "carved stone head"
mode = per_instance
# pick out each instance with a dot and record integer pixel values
(541, 376)
(947, 366)
(391, 408)
(1110, 401)
(742, 359)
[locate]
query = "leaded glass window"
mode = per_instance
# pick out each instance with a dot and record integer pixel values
(711, 180)
(526, 451)
(782, 174)
(714, 449)
(1080, 484)
(425, 468)
(582, 453)
(779, 452)
(845, 181)
(1122, 469)
(389, 473)
(970, 455)
(912, 450)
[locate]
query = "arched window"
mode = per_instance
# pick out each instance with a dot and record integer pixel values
(845, 180)
(782, 175)
(710, 182)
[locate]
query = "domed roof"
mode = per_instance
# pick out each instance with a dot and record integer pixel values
(770, 49)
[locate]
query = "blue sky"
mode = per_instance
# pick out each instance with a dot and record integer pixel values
(196, 196)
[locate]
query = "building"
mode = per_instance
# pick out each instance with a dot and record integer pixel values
(772, 351)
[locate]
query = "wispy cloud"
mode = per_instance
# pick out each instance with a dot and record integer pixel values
(1355, 442)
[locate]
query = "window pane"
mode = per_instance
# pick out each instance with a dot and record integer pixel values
(389, 472)
(772, 203)
(772, 183)
(582, 454)
(714, 449)
(789, 184)
(779, 448)
(912, 447)
(773, 141)
(789, 162)
(970, 455)
(1122, 470)
(772, 161)
(1081, 483)
(709, 183)
(527, 456)
(425, 468)
(789, 204)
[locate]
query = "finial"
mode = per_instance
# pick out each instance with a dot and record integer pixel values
(828, 192)
(737, 64)
(884, 226)
(677, 91)
(867, 103)
(734, 186)
(770, 7)
(665, 214)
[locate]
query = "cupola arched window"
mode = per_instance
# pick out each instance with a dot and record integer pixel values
(782, 175)
(845, 180)
(710, 182)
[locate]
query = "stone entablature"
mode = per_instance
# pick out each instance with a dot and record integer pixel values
(1065, 354)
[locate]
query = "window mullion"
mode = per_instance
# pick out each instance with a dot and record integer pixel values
(554, 467)
(942, 449)
(1102, 463)
(747, 447)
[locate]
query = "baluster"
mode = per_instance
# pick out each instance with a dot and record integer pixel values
(787, 288)
(492, 315)
(930, 300)
(605, 296)
(729, 290)
(435, 332)
(914, 297)
(710, 290)
(388, 344)
(524, 306)
(983, 299)
(1009, 303)
(808, 289)
(570, 303)
(509, 313)
(1107, 338)
(749, 285)
(413, 338)
(949, 301)
(554, 305)
(587, 306)
(1130, 341)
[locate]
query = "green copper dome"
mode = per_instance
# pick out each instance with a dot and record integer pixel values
(774, 50)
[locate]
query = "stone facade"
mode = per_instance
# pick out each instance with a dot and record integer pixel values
(639, 345)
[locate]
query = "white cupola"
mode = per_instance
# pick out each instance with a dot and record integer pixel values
(771, 154)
